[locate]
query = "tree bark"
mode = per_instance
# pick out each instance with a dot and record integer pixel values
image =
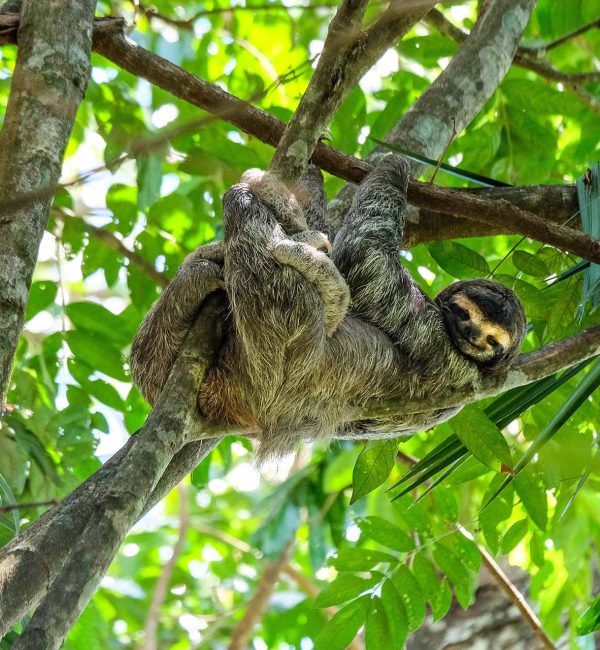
(49, 82)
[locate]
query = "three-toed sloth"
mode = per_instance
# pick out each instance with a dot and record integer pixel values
(315, 331)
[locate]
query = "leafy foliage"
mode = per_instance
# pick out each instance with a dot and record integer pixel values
(383, 565)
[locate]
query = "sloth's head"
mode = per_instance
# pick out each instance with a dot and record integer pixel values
(485, 320)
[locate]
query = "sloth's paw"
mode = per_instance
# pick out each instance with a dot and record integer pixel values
(314, 265)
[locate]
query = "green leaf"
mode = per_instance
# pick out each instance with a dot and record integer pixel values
(564, 309)
(12, 521)
(396, 613)
(360, 559)
(277, 530)
(97, 319)
(413, 515)
(495, 510)
(481, 437)
(338, 473)
(105, 393)
(458, 260)
(457, 574)
(149, 178)
(530, 264)
(435, 590)
(514, 535)
(341, 629)
(385, 533)
(345, 587)
(41, 295)
(201, 473)
(412, 598)
(122, 201)
(97, 352)
(373, 466)
(580, 394)
(377, 627)
(446, 504)
(590, 620)
(467, 551)
(533, 496)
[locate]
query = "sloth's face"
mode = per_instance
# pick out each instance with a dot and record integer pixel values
(485, 320)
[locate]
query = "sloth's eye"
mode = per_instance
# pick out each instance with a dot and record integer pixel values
(492, 341)
(460, 313)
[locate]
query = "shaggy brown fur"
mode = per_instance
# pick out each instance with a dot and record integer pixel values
(296, 363)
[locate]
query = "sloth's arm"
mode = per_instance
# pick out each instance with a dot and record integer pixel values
(160, 336)
(367, 249)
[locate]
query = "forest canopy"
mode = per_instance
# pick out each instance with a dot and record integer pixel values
(355, 544)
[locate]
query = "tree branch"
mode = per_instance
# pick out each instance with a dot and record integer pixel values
(594, 24)
(48, 84)
(513, 594)
(347, 54)
(258, 603)
(147, 456)
(110, 240)
(529, 59)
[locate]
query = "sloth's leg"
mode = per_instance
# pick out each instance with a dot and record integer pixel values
(278, 315)
(310, 193)
(161, 334)
(367, 248)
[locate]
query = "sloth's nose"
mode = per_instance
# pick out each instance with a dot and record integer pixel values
(472, 334)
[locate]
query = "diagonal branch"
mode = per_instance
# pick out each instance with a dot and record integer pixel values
(528, 58)
(594, 24)
(162, 584)
(347, 54)
(110, 240)
(164, 434)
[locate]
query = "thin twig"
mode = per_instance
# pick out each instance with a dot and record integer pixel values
(27, 504)
(162, 584)
(515, 596)
(563, 39)
(188, 23)
(110, 240)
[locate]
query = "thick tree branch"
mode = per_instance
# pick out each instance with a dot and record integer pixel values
(347, 54)
(146, 457)
(529, 59)
(29, 564)
(49, 82)
(459, 92)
